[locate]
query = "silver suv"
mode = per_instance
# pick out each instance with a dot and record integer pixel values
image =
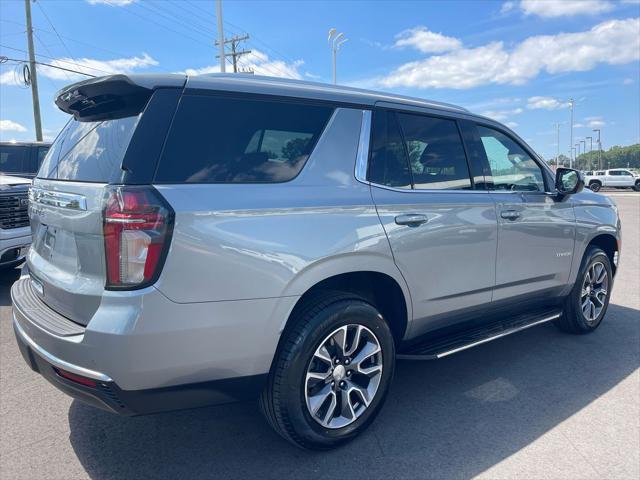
(216, 238)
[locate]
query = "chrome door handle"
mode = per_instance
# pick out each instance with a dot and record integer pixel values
(411, 219)
(510, 214)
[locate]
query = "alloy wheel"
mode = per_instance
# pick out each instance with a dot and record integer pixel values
(595, 288)
(343, 376)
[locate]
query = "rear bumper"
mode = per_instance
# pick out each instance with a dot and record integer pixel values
(107, 395)
(164, 356)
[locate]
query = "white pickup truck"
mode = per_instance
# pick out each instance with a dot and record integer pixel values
(616, 178)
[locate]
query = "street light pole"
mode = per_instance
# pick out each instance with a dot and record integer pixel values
(558, 144)
(223, 57)
(571, 103)
(584, 147)
(599, 149)
(335, 42)
(590, 153)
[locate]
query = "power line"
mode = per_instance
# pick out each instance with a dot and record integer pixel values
(55, 30)
(49, 65)
(49, 52)
(58, 60)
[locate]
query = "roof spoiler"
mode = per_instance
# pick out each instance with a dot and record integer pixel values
(113, 96)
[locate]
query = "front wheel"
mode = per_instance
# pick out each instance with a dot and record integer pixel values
(587, 303)
(331, 373)
(636, 187)
(595, 186)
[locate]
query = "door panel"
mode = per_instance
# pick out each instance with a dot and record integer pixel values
(535, 243)
(448, 260)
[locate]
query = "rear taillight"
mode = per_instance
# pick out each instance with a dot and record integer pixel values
(137, 226)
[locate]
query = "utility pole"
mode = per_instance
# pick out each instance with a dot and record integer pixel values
(220, 41)
(335, 42)
(590, 153)
(235, 53)
(599, 149)
(571, 102)
(32, 73)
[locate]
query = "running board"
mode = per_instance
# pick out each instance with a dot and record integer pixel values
(443, 347)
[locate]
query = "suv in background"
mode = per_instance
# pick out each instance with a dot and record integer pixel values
(22, 159)
(15, 233)
(614, 178)
(199, 240)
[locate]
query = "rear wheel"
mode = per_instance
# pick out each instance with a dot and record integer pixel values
(587, 303)
(331, 373)
(595, 186)
(636, 187)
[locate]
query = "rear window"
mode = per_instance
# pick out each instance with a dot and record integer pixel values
(14, 159)
(233, 140)
(88, 151)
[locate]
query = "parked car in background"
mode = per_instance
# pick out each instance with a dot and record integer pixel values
(15, 232)
(208, 239)
(614, 178)
(22, 159)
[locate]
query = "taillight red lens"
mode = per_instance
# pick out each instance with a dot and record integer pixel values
(137, 226)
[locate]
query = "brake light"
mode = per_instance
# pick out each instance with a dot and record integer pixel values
(137, 225)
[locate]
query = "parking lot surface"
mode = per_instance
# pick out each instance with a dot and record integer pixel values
(537, 404)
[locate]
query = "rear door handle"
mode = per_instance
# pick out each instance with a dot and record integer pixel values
(510, 214)
(411, 219)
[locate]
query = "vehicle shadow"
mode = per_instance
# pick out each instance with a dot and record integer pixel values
(455, 417)
(7, 278)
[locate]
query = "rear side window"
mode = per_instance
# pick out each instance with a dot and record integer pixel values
(88, 151)
(436, 154)
(388, 162)
(14, 159)
(234, 140)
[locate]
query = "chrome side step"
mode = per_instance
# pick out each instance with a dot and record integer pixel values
(444, 347)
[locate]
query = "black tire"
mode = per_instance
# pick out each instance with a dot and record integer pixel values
(283, 402)
(595, 186)
(573, 320)
(636, 187)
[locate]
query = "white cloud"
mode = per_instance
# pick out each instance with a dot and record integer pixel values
(95, 67)
(595, 122)
(113, 3)
(260, 63)
(501, 115)
(11, 126)
(426, 41)
(546, 103)
(611, 42)
(507, 7)
(627, 81)
(559, 8)
(8, 78)
(511, 125)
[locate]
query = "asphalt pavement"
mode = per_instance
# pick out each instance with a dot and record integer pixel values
(537, 404)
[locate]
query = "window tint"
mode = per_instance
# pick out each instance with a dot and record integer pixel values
(42, 152)
(436, 154)
(511, 167)
(233, 140)
(14, 159)
(88, 151)
(388, 162)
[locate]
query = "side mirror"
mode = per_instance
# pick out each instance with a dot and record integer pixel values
(569, 181)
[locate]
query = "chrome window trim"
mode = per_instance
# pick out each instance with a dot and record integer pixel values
(362, 157)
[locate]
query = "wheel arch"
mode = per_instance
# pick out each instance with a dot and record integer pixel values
(609, 244)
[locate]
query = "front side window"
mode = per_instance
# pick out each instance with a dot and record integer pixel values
(234, 140)
(511, 167)
(435, 151)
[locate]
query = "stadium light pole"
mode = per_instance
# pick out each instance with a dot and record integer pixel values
(335, 40)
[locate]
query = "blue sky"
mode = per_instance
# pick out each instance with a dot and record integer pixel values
(516, 61)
